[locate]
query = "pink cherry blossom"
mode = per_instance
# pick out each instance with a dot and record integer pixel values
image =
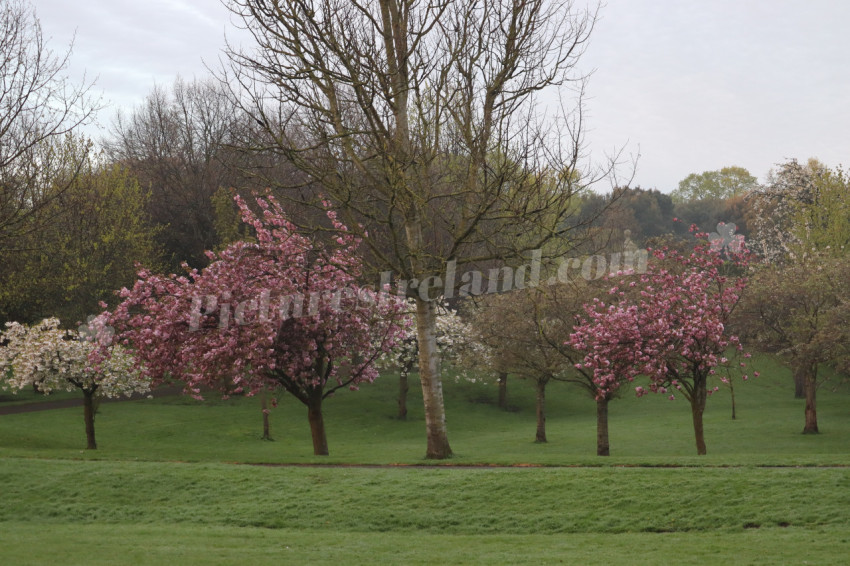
(672, 330)
(285, 311)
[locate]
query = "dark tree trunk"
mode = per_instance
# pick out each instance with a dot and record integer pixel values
(503, 390)
(541, 412)
(317, 425)
(732, 389)
(403, 388)
(88, 416)
(811, 381)
(697, 409)
(264, 405)
(602, 448)
(800, 381)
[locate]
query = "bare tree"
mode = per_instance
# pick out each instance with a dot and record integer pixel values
(419, 121)
(39, 106)
(177, 143)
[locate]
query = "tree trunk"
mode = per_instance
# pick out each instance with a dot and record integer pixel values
(811, 381)
(602, 448)
(697, 409)
(800, 381)
(317, 425)
(264, 405)
(541, 412)
(432, 386)
(88, 416)
(503, 390)
(732, 389)
(403, 388)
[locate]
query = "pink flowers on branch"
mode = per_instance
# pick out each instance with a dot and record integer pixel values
(669, 326)
(284, 311)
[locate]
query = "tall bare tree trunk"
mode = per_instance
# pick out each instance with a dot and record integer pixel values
(602, 448)
(503, 390)
(811, 381)
(541, 412)
(697, 409)
(432, 386)
(88, 416)
(403, 388)
(317, 424)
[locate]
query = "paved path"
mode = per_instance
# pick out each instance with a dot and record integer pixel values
(78, 402)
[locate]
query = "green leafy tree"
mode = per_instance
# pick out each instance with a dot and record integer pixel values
(721, 184)
(822, 222)
(799, 310)
(801, 226)
(98, 232)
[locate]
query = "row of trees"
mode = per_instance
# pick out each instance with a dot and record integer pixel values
(397, 138)
(285, 311)
(670, 324)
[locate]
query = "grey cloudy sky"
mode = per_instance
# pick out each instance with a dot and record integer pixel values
(690, 85)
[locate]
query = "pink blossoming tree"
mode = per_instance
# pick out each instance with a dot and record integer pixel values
(283, 311)
(669, 325)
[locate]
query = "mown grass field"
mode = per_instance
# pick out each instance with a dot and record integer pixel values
(175, 481)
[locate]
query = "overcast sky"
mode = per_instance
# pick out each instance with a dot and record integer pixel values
(690, 85)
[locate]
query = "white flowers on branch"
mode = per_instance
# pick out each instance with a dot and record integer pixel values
(455, 340)
(50, 358)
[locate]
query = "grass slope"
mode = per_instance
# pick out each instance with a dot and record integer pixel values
(362, 428)
(169, 483)
(155, 513)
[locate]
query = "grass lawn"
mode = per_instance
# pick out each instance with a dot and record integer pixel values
(171, 482)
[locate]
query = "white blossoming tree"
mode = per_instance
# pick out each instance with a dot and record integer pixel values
(50, 358)
(454, 342)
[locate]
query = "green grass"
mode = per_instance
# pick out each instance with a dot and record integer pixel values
(27, 396)
(187, 545)
(171, 483)
(362, 428)
(154, 512)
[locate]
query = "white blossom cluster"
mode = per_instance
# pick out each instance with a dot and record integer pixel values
(50, 358)
(455, 340)
(775, 206)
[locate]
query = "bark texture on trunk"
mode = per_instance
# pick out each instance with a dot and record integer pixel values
(602, 448)
(503, 390)
(541, 412)
(811, 382)
(403, 388)
(432, 386)
(317, 425)
(697, 410)
(88, 416)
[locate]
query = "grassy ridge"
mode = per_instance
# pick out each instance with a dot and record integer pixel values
(170, 484)
(436, 501)
(96, 545)
(159, 512)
